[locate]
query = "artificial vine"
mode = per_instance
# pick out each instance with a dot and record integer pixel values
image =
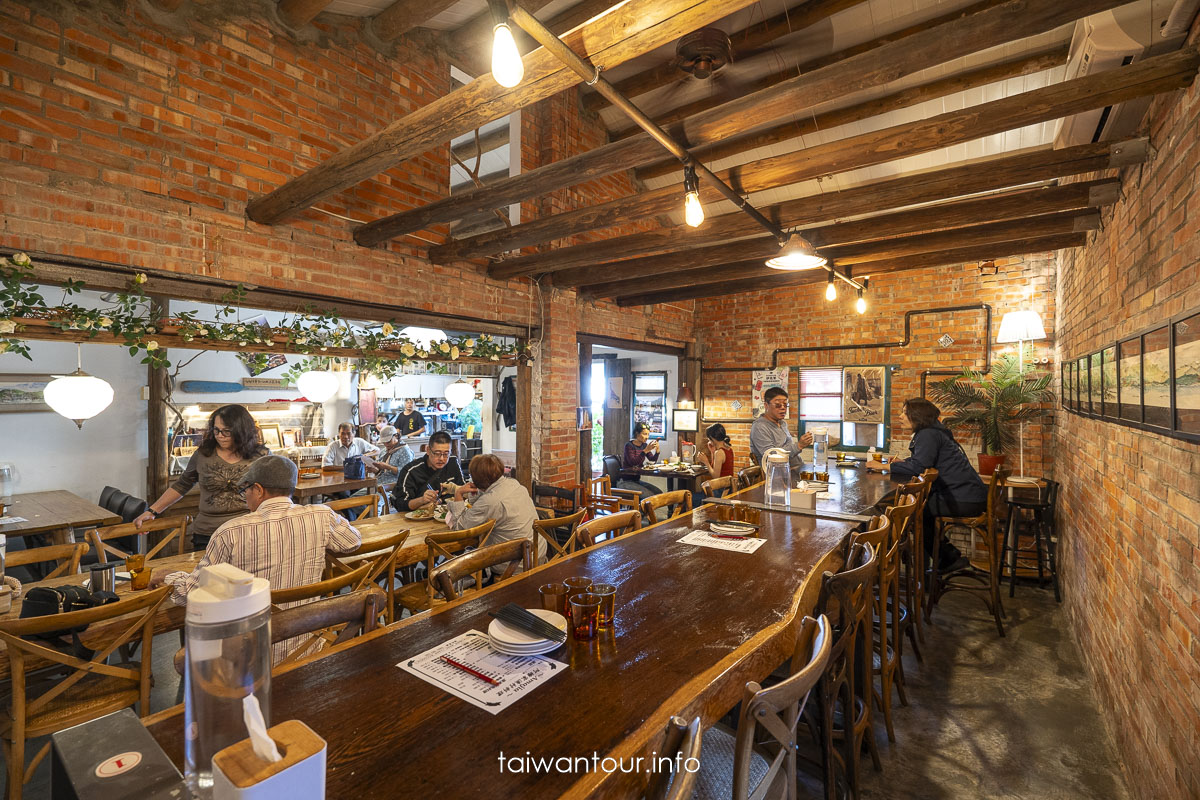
(133, 317)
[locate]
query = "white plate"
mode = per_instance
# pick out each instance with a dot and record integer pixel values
(545, 647)
(502, 634)
(1021, 480)
(731, 529)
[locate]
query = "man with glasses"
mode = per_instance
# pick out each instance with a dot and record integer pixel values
(770, 429)
(420, 484)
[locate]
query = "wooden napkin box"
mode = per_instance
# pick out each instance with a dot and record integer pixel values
(239, 774)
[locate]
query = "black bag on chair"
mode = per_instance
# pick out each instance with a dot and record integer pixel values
(354, 469)
(40, 601)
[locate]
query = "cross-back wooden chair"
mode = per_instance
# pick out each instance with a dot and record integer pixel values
(65, 556)
(175, 528)
(421, 595)
(369, 503)
(609, 527)
(675, 503)
(681, 744)
(515, 552)
(982, 575)
(749, 476)
(727, 484)
(355, 579)
(555, 501)
(883, 534)
(92, 688)
(770, 715)
(912, 556)
(549, 530)
(604, 498)
(381, 554)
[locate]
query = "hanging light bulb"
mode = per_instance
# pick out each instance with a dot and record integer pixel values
(317, 385)
(507, 68)
(830, 289)
(796, 254)
(860, 305)
(693, 211)
(78, 396)
(460, 393)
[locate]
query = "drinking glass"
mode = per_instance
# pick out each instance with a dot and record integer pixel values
(721, 512)
(554, 598)
(752, 515)
(139, 573)
(608, 595)
(585, 615)
(806, 475)
(822, 476)
(577, 584)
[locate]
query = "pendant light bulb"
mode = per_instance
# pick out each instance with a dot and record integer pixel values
(507, 68)
(860, 305)
(796, 254)
(830, 289)
(693, 211)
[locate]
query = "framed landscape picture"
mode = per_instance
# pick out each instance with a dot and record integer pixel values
(23, 392)
(1081, 387)
(1129, 379)
(1156, 378)
(1108, 377)
(1095, 384)
(1187, 374)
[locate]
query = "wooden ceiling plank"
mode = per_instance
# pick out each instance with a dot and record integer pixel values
(630, 29)
(615, 279)
(403, 15)
(1148, 77)
(922, 261)
(745, 43)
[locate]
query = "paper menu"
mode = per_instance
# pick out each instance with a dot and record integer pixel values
(11, 520)
(707, 539)
(517, 675)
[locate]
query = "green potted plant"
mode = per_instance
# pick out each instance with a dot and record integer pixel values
(994, 403)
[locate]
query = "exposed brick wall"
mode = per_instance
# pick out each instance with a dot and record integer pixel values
(742, 331)
(139, 139)
(1129, 517)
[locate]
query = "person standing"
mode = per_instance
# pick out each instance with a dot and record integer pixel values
(770, 429)
(411, 423)
(230, 445)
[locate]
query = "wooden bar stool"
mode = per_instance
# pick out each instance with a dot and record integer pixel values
(1042, 506)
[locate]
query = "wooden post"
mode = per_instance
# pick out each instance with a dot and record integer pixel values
(585, 400)
(156, 419)
(525, 425)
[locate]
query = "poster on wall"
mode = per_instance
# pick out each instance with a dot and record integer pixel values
(863, 390)
(616, 390)
(766, 379)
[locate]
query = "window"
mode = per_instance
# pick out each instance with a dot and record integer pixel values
(821, 405)
(650, 402)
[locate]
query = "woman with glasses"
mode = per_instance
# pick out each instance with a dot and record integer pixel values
(229, 447)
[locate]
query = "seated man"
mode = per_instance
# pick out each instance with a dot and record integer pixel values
(420, 482)
(278, 540)
(499, 498)
(770, 429)
(347, 445)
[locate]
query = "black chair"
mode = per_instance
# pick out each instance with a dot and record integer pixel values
(132, 508)
(555, 501)
(612, 468)
(1042, 505)
(106, 495)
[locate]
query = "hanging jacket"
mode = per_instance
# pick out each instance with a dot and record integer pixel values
(506, 402)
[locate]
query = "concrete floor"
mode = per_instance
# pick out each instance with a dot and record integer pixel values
(988, 717)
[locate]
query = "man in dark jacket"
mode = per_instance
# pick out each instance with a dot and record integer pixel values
(420, 482)
(958, 490)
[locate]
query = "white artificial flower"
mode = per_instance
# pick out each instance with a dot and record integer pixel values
(151, 345)
(7, 326)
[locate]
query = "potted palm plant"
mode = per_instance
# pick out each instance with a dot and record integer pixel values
(994, 403)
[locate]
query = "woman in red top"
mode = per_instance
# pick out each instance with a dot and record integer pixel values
(719, 458)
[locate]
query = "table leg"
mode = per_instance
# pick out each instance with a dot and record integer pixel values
(1011, 538)
(61, 536)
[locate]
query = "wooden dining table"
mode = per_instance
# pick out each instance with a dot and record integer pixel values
(54, 513)
(852, 490)
(329, 482)
(687, 479)
(693, 624)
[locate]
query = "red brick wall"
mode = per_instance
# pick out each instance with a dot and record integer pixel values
(139, 140)
(743, 330)
(1129, 518)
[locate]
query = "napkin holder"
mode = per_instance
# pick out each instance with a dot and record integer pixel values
(804, 498)
(239, 774)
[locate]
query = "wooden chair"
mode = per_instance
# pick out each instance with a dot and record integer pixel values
(447, 575)
(727, 484)
(884, 534)
(355, 579)
(912, 558)
(555, 501)
(604, 498)
(681, 744)
(421, 595)
(676, 503)
(92, 687)
(549, 529)
(749, 476)
(845, 598)
(65, 556)
(982, 575)
(768, 716)
(326, 622)
(610, 527)
(176, 528)
(369, 503)
(381, 554)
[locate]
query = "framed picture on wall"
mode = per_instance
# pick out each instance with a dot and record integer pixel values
(1108, 381)
(1186, 341)
(1082, 388)
(1129, 379)
(1156, 378)
(1095, 384)
(863, 390)
(1064, 381)
(685, 420)
(22, 391)
(271, 436)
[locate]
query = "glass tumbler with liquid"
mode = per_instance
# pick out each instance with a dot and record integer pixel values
(228, 656)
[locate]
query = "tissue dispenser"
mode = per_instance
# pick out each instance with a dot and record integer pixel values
(239, 774)
(804, 498)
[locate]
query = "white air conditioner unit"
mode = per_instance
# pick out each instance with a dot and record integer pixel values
(1107, 41)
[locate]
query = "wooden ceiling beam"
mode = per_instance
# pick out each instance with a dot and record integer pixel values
(628, 30)
(991, 27)
(1143, 78)
(610, 280)
(745, 44)
(922, 261)
(403, 15)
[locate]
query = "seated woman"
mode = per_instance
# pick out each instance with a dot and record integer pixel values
(498, 498)
(717, 453)
(638, 451)
(958, 491)
(396, 454)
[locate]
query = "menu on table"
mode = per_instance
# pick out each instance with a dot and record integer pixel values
(708, 539)
(514, 676)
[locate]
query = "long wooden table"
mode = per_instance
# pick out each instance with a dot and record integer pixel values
(693, 624)
(329, 483)
(852, 490)
(54, 513)
(675, 479)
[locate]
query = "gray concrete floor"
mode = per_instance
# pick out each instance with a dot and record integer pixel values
(988, 717)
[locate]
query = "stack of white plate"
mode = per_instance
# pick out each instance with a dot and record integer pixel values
(516, 642)
(732, 528)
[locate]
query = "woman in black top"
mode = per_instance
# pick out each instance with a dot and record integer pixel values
(958, 490)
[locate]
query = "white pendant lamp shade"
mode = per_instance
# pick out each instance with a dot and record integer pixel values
(1020, 326)
(78, 396)
(797, 254)
(317, 385)
(460, 393)
(423, 337)
(507, 68)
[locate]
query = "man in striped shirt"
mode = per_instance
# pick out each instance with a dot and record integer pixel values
(278, 540)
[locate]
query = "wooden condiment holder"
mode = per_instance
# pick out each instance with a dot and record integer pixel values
(239, 774)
